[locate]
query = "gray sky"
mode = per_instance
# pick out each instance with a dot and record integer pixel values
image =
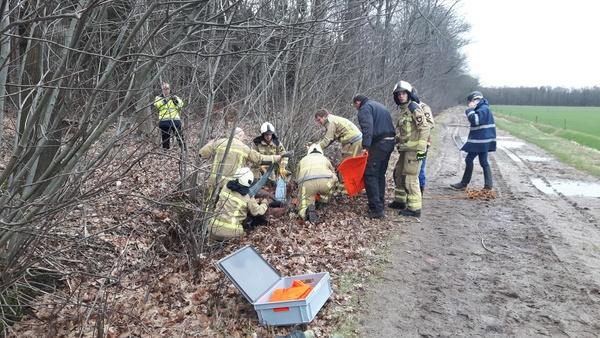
(534, 42)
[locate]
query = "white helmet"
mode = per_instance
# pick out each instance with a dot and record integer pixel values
(267, 127)
(245, 176)
(314, 147)
(403, 85)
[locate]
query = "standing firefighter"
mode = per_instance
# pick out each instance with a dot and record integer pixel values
(482, 139)
(268, 144)
(342, 130)
(429, 117)
(411, 141)
(239, 153)
(169, 115)
(235, 210)
(315, 175)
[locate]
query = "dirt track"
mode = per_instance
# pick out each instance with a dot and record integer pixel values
(526, 264)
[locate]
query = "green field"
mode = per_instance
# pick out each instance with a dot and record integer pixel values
(579, 124)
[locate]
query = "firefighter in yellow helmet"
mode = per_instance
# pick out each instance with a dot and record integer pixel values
(239, 154)
(267, 143)
(412, 133)
(315, 175)
(342, 130)
(235, 210)
(169, 115)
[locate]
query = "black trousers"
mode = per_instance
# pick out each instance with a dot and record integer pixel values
(169, 128)
(377, 163)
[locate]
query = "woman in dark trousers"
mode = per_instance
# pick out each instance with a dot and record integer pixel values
(482, 139)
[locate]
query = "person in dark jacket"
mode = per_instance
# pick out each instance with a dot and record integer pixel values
(378, 139)
(482, 139)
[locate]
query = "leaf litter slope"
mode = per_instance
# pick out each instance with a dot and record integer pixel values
(132, 278)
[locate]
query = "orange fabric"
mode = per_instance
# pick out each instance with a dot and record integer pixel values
(353, 172)
(298, 290)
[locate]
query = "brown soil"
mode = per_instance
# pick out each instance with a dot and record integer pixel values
(524, 264)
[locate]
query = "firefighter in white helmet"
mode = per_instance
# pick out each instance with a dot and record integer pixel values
(315, 175)
(412, 133)
(237, 156)
(267, 143)
(235, 210)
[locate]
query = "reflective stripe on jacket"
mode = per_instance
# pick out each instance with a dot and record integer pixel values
(273, 148)
(412, 128)
(482, 135)
(314, 166)
(232, 208)
(238, 154)
(339, 129)
(168, 109)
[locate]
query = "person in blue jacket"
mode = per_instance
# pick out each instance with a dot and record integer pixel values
(378, 134)
(482, 139)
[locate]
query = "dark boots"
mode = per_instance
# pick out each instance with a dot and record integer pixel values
(465, 179)
(413, 213)
(487, 178)
(397, 205)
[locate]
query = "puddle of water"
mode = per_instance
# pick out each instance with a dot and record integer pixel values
(567, 188)
(510, 144)
(536, 158)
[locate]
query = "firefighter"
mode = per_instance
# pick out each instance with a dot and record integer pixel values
(411, 142)
(235, 210)
(268, 144)
(239, 153)
(315, 175)
(169, 115)
(342, 130)
(481, 140)
(429, 117)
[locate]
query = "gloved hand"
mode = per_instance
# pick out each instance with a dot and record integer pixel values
(421, 155)
(283, 172)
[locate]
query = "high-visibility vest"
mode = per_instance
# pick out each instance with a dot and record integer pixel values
(168, 109)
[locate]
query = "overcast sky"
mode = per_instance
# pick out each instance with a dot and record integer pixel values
(534, 42)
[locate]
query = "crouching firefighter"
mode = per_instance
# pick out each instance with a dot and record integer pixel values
(412, 133)
(236, 210)
(315, 176)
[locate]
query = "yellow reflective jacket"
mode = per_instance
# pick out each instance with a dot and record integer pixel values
(238, 155)
(273, 148)
(313, 166)
(412, 128)
(168, 108)
(339, 129)
(231, 210)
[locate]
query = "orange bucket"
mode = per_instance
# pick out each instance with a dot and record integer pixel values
(352, 170)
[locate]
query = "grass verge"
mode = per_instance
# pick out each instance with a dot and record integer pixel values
(567, 151)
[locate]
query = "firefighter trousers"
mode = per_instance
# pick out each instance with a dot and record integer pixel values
(406, 179)
(309, 189)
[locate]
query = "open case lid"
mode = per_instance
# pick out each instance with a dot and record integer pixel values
(250, 273)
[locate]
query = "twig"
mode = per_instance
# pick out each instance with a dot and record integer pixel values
(485, 247)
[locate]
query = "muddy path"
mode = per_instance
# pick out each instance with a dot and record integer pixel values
(525, 264)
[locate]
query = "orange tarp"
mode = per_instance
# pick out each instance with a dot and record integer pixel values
(298, 290)
(352, 170)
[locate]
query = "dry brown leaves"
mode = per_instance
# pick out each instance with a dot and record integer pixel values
(147, 289)
(483, 194)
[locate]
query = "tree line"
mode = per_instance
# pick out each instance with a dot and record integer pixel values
(544, 96)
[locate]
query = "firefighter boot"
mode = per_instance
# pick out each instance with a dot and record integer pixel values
(487, 178)
(408, 212)
(462, 185)
(397, 205)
